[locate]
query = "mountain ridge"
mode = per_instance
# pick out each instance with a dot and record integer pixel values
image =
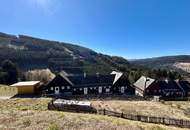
(178, 63)
(36, 53)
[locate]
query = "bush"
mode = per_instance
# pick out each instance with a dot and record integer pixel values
(53, 126)
(26, 122)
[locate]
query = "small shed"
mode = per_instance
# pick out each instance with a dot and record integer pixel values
(26, 87)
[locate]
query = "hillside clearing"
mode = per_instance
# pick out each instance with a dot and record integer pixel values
(32, 113)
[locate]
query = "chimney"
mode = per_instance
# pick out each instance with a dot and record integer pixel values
(97, 74)
(84, 75)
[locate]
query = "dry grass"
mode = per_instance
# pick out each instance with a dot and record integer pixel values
(178, 110)
(32, 114)
(7, 90)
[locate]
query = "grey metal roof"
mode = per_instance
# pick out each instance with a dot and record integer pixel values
(117, 76)
(91, 80)
(140, 83)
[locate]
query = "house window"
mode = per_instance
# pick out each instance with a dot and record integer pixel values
(56, 90)
(63, 87)
(100, 89)
(159, 91)
(155, 91)
(80, 89)
(74, 89)
(122, 89)
(51, 88)
(85, 91)
(107, 90)
(68, 87)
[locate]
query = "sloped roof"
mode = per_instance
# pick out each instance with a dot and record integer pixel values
(66, 78)
(140, 83)
(91, 80)
(59, 79)
(168, 84)
(64, 73)
(184, 84)
(25, 83)
(117, 76)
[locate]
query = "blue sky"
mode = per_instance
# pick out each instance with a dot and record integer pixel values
(128, 28)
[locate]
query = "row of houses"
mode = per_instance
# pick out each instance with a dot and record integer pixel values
(166, 88)
(114, 83)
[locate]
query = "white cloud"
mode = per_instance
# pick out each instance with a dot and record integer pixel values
(48, 6)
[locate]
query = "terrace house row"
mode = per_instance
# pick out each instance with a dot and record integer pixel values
(115, 82)
(146, 86)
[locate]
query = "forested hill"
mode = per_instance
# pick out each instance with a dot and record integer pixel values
(179, 62)
(34, 53)
(160, 62)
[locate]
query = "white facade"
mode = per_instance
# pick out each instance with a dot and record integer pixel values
(85, 91)
(100, 89)
(138, 93)
(56, 90)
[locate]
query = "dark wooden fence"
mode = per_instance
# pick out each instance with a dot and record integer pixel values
(147, 119)
(175, 98)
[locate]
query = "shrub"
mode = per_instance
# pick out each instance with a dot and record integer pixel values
(53, 126)
(26, 122)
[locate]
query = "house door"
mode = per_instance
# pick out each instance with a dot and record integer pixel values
(122, 90)
(85, 91)
(56, 90)
(100, 89)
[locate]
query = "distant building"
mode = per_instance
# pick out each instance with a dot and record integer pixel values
(185, 85)
(27, 87)
(171, 88)
(166, 88)
(121, 84)
(146, 86)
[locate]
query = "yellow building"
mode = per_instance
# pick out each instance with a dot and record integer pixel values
(27, 87)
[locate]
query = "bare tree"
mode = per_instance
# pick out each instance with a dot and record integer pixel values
(43, 75)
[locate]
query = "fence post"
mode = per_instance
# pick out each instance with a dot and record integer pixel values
(104, 111)
(148, 119)
(138, 118)
(163, 120)
(122, 115)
